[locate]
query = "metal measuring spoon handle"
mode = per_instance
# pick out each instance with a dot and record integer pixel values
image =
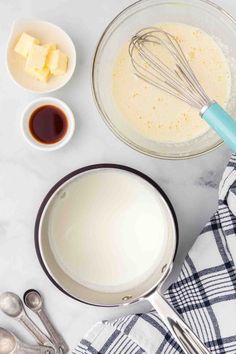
(33, 329)
(34, 301)
(33, 349)
(56, 338)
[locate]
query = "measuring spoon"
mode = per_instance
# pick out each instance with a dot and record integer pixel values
(10, 344)
(34, 301)
(12, 306)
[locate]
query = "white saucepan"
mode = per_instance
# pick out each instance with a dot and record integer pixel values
(107, 235)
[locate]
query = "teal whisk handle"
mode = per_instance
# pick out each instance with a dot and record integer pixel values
(223, 124)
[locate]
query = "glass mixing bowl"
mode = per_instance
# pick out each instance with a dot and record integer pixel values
(199, 13)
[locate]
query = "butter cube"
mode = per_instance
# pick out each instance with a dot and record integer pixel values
(50, 46)
(57, 62)
(41, 75)
(37, 57)
(24, 44)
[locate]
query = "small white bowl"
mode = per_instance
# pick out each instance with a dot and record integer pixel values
(46, 32)
(39, 102)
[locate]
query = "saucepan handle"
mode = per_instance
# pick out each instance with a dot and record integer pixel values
(183, 335)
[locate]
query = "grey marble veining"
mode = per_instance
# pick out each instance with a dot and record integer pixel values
(26, 174)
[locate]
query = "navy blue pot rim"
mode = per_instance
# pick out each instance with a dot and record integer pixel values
(67, 178)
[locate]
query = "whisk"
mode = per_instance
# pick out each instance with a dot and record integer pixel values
(176, 77)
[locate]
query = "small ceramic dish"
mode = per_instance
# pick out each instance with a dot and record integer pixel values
(47, 33)
(44, 101)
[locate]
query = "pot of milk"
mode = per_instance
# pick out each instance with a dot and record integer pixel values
(107, 235)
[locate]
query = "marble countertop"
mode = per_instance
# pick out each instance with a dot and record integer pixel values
(27, 174)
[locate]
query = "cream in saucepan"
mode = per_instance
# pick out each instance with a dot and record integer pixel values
(108, 230)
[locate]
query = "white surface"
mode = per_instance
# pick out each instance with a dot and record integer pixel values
(26, 174)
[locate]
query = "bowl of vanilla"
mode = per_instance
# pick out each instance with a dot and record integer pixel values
(145, 117)
(41, 57)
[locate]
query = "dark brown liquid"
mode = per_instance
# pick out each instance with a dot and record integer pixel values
(48, 124)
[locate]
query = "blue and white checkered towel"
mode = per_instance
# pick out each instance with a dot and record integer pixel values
(204, 293)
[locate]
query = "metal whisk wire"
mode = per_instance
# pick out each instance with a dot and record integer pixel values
(178, 79)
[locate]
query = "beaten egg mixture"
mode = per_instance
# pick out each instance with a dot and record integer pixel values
(156, 114)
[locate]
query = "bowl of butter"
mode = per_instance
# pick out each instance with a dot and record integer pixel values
(41, 57)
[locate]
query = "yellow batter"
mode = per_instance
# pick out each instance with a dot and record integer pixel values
(154, 113)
